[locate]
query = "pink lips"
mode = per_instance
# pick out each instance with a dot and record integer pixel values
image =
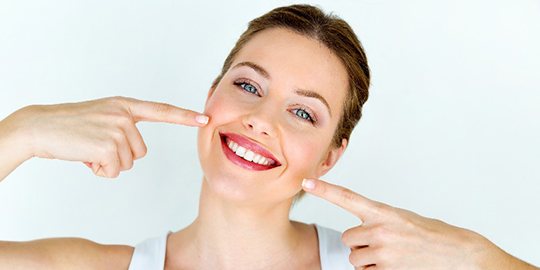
(250, 145)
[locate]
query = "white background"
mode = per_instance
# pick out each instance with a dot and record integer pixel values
(451, 129)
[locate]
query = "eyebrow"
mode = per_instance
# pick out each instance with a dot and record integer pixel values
(255, 67)
(301, 92)
(313, 94)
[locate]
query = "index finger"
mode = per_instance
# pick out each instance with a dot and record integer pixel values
(162, 112)
(345, 198)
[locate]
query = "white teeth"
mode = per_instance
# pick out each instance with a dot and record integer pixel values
(232, 145)
(256, 158)
(262, 160)
(241, 151)
(247, 154)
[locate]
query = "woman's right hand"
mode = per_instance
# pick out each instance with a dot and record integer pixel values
(101, 133)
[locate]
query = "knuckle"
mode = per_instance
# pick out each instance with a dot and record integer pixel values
(128, 165)
(162, 108)
(114, 99)
(347, 195)
(380, 254)
(113, 168)
(117, 136)
(124, 120)
(382, 234)
(321, 189)
(353, 259)
(382, 209)
(125, 165)
(346, 237)
(142, 152)
(408, 224)
(139, 149)
(117, 98)
(108, 149)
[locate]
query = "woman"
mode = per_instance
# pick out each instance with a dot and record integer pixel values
(281, 111)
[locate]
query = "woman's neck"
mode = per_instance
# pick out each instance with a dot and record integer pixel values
(226, 235)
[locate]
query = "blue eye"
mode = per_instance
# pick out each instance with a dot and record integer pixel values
(248, 87)
(304, 115)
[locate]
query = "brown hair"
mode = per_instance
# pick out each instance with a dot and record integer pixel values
(335, 34)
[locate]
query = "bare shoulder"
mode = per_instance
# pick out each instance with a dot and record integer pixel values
(308, 229)
(63, 253)
(309, 257)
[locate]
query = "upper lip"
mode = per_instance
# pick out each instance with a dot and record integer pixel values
(250, 144)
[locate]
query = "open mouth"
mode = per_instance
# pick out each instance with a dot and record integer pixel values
(246, 153)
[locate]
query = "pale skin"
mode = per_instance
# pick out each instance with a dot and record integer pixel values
(108, 142)
(249, 209)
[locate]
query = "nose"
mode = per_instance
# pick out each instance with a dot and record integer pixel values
(259, 123)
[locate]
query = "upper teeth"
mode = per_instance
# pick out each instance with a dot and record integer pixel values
(248, 154)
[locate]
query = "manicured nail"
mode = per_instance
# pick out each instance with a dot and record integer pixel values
(203, 119)
(308, 184)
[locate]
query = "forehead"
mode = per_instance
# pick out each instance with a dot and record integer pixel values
(294, 61)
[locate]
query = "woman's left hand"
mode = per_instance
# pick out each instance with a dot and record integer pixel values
(393, 238)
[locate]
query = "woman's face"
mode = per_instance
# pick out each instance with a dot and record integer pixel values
(278, 105)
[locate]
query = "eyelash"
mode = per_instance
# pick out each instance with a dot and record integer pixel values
(242, 83)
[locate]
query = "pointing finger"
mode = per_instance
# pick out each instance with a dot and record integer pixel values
(354, 203)
(162, 112)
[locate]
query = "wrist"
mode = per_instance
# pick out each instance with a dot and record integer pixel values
(15, 139)
(486, 255)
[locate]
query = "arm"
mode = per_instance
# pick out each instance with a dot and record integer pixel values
(63, 253)
(13, 149)
(395, 238)
(493, 257)
(101, 133)
(54, 253)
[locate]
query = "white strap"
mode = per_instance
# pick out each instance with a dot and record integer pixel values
(334, 254)
(150, 254)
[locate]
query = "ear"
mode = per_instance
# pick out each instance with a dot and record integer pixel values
(332, 157)
(210, 92)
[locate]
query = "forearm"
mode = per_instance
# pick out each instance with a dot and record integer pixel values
(507, 261)
(63, 253)
(491, 257)
(14, 147)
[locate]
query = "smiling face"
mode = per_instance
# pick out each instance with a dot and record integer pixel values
(278, 105)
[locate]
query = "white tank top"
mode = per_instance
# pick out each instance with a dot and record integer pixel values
(334, 255)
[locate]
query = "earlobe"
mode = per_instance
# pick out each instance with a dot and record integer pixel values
(332, 157)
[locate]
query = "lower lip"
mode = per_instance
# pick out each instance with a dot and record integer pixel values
(240, 161)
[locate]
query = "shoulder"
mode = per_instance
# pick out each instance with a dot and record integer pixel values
(65, 253)
(151, 253)
(334, 254)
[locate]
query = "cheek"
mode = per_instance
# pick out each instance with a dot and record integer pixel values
(303, 155)
(219, 108)
(303, 158)
(218, 114)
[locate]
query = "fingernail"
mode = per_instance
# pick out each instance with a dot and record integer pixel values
(308, 184)
(203, 119)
